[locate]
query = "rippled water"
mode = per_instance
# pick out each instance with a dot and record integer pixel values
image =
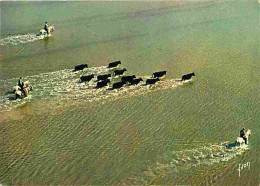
(174, 132)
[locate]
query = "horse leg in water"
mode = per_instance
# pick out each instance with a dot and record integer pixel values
(17, 96)
(245, 138)
(49, 31)
(25, 92)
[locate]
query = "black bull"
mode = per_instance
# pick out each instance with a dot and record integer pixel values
(86, 78)
(114, 64)
(118, 84)
(187, 76)
(103, 77)
(101, 84)
(128, 78)
(159, 74)
(119, 72)
(80, 67)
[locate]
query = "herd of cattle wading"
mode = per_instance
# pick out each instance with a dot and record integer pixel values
(104, 79)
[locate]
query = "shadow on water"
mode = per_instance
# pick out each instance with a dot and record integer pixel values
(10, 95)
(230, 145)
(9, 92)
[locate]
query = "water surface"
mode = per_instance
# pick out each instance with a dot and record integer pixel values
(66, 132)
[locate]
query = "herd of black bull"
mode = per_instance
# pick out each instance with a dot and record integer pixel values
(102, 80)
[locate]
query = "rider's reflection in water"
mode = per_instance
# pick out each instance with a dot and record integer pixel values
(46, 41)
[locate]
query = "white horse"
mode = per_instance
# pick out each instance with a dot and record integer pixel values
(50, 29)
(240, 140)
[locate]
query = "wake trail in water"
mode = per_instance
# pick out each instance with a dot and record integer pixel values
(19, 39)
(64, 85)
(181, 161)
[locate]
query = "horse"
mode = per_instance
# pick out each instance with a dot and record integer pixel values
(25, 91)
(24, 84)
(50, 29)
(18, 94)
(241, 140)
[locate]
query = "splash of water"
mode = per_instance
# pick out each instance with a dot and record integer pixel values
(19, 39)
(206, 155)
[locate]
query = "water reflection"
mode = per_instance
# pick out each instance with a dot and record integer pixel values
(46, 41)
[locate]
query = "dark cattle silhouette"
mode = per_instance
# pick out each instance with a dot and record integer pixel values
(118, 84)
(114, 64)
(187, 76)
(152, 81)
(103, 77)
(80, 67)
(86, 78)
(159, 74)
(101, 84)
(136, 81)
(127, 78)
(119, 72)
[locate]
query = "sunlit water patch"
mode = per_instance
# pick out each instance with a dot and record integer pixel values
(19, 39)
(66, 85)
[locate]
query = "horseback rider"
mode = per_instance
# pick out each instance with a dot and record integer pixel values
(242, 135)
(46, 27)
(23, 87)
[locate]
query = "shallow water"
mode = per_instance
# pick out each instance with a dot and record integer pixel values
(67, 132)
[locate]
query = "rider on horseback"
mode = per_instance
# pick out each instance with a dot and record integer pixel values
(22, 88)
(242, 135)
